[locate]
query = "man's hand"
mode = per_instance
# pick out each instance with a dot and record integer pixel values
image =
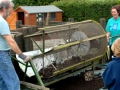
(25, 58)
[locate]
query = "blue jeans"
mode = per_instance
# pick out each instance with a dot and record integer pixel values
(8, 76)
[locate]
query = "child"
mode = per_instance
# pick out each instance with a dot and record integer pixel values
(111, 75)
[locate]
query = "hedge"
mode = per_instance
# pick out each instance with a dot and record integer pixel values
(85, 9)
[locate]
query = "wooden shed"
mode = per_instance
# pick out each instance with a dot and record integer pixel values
(30, 14)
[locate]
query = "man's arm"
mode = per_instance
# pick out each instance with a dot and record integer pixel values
(12, 44)
(15, 48)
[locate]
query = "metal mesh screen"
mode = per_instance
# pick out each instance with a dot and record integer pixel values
(91, 39)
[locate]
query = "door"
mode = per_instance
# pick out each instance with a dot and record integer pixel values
(12, 20)
(21, 17)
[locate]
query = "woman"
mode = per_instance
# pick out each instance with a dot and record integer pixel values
(113, 27)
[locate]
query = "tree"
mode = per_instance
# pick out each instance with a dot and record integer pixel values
(32, 2)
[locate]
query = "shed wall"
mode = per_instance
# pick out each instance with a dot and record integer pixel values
(32, 19)
(26, 18)
(59, 16)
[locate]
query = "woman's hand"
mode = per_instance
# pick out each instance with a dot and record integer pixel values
(108, 35)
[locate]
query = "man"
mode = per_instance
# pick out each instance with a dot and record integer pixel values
(8, 77)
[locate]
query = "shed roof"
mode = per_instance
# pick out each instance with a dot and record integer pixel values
(39, 9)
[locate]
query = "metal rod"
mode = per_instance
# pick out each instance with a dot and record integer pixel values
(87, 21)
(17, 60)
(34, 35)
(37, 45)
(51, 63)
(77, 42)
(36, 74)
(43, 38)
(25, 71)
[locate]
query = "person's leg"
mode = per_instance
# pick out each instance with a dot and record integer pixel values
(111, 53)
(8, 72)
(2, 84)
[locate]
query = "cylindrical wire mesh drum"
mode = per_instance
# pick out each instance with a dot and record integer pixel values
(73, 45)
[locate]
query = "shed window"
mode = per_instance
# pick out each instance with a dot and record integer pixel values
(52, 16)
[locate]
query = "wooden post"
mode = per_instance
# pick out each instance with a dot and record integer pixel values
(103, 22)
(28, 42)
(37, 23)
(70, 19)
(18, 24)
(47, 18)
